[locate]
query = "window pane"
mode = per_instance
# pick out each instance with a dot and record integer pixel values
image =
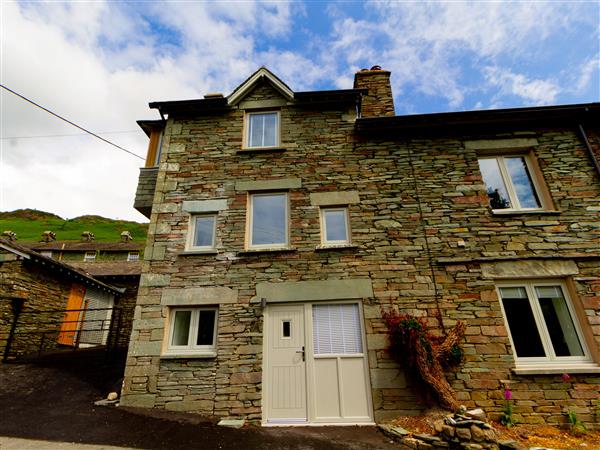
(496, 189)
(563, 334)
(206, 327)
(335, 225)
(521, 323)
(181, 327)
(286, 329)
(336, 329)
(519, 175)
(269, 218)
(262, 130)
(204, 231)
(270, 130)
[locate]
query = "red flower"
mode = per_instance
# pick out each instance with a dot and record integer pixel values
(507, 393)
(566, 377)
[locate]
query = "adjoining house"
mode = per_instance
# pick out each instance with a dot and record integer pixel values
(46, 305)
(118, 264)
(283, 222)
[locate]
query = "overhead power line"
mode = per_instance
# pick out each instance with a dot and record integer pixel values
(66, 135)
(69, 122)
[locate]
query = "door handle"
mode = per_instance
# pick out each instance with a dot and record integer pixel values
(301, 351)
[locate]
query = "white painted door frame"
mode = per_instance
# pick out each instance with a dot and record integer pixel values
(312, 386)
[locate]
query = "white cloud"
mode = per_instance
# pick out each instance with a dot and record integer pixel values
(538, 92)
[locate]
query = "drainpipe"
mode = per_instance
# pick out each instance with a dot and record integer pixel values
(589, 149)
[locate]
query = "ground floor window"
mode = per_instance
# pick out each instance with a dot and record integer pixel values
(192, 331)
(542, 323)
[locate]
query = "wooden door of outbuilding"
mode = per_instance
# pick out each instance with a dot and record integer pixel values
(70, 324)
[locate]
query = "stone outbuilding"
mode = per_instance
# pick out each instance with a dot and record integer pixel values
(282, 223)
(46, 305)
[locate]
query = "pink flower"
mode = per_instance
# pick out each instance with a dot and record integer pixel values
(566, 377)
(507, 393)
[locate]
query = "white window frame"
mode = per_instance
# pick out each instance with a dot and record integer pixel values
(247, 121)
(89, 256)
(133, 256)
(508, 183)
(192, 232)
(191, 349)
(251, 198)
(551, 360)
(333, 243)
(46, 253)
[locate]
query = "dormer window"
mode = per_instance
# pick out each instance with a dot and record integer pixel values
(262, 129)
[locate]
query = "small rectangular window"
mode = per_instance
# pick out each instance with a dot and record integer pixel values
(542, 323)
(262, 129)
(510, 183)
(268, 225)
(133, 256)
(202, 232)
(89, 256)
(47, 254)
(334, 226)
(286, 329)
(192, 331)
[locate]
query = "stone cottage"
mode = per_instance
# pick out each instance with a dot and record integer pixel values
(282, 223)
(46, 305)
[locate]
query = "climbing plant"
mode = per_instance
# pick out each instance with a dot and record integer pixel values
(426, 355)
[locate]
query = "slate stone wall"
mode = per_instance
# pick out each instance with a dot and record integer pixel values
(42, 294)
(422, 230)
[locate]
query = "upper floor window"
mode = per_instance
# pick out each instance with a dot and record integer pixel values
(334, 226)
(542, 323)
(133, 256)
(268, 220)
(89, 256)
(262, 129)
(202, 232)
(510, 183)
(46, 253)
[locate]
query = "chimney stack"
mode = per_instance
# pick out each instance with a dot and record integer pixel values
(378, 101)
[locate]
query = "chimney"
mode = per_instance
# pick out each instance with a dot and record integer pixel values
(378, 101)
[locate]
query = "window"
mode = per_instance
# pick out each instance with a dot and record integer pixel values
(542, 325)
(46, 253)
(268, 225)
(336, 329)
(202, 232)
(192, 331)
(133, 256)
(262, 129)
(89, 256)
(334, 226)
(509, 182)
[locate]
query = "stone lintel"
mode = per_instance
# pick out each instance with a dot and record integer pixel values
(266, 185)
(529, 269)
(266, 103)
(493, 144)
(202, 206)
(198, 296)
(297, 291)
(334, 198)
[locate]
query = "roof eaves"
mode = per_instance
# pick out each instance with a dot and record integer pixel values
(246, 86)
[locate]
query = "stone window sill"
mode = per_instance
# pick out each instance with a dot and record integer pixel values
(262, 149)
(198, 252)
(253, 251)
(513, 212)
(325, 248)
(553, 370)
(204, 355)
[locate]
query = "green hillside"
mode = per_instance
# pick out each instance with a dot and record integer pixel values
(29, 224)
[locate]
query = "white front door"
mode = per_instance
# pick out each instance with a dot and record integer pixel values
(315, 364)
(286, 375)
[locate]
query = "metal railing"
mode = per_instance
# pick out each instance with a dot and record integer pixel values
(34, 333)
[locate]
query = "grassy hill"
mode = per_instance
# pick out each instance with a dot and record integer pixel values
(29, 224)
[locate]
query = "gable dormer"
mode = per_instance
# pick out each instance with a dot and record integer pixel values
(261, 80)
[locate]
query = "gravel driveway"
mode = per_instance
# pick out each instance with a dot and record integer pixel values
(54, 401)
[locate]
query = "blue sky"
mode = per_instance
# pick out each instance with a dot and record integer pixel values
(100, 63)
